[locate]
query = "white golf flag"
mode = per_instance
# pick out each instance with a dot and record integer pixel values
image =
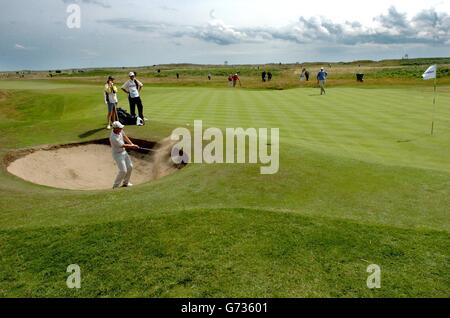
(430, 73)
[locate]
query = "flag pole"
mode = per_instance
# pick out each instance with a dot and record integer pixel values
(434, 105)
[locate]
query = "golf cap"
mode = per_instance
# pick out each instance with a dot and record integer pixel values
(110, 78)
(131, 74)
(117, 125)
(321, 68)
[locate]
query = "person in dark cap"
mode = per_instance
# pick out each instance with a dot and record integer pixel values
(111, 100)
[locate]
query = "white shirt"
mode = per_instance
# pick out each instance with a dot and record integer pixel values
(131, 87)
(117, 142)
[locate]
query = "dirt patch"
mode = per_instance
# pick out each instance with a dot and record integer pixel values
(88, 166)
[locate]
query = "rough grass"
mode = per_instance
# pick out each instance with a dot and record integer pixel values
(285, 76)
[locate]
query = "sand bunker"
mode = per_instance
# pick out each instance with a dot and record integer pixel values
(89, 166)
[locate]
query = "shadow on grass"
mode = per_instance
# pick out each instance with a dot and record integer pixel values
(90, 133)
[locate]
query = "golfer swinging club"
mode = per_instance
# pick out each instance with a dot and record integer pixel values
(120, 155)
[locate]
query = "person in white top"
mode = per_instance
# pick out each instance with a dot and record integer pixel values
(119, 144)
(133, 87)
(111, 100)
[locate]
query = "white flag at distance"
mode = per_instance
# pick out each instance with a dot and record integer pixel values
(430, 73)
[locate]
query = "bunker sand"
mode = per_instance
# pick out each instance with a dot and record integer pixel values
(89, 166)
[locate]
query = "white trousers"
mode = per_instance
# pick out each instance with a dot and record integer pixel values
(125, 166)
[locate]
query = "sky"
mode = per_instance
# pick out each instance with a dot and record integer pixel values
(35, 35)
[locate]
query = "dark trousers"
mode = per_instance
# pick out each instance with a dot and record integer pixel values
(136, 102)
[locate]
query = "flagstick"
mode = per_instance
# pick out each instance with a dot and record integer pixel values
(434, 107)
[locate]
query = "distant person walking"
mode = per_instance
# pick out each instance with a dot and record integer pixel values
(263, 76)
(302, 75)
(111, 100)
(209, 76)
(321, 80)
(119, 144)
(230, 80)
(269, 76)
(236, 79)
(133, 87)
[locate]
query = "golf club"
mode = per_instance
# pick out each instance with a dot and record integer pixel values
(146, 149)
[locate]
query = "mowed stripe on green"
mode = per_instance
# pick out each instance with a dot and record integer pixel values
(390, 126)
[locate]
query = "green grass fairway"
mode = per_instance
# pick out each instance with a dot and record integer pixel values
(361, 182)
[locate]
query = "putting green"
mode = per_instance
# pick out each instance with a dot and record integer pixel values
(377, 125)
(361, 181)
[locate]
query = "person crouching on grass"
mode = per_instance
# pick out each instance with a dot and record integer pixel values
(111, 101)
(119, 144)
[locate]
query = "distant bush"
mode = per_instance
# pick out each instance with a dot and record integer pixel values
(443, 72)
(410, 72)
(425, 61)
(215, 71)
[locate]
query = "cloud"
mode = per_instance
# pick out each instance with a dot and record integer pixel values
(21, 47)
(394, 27)
(393, 20)
(135, 25)
(167, 8)
(216, 31)
(92, 2)
(427, 27)
(431, 24)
